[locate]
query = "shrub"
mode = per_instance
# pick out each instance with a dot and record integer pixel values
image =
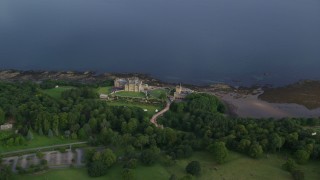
(97, 168)
(290, 165)
(193, 168)
(127, 174)
(302, 156)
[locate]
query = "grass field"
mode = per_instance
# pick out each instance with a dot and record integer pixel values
(141, 173)
(237, 167)
(104, 90)
(151, 108)
(56, 92)
(130, 94)
(156, 93)
(38, 141)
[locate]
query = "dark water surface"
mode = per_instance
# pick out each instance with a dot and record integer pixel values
(195, 41)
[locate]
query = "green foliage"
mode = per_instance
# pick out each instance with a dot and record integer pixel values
(131, 164)
(40, 132)
(290, 165)
(29, 136)
(127, 174)
(163, 96)
(219, 151)
(255, 151)
(168, 161)
(48, 84)
(204, 102)
(97, 168)
(83, 92)
(5, 173)
(108, 157)
(148, 157)
(194, 168)
(302, 156)
(276, 142)
(50, 133)
(40, 155)
(2, 116)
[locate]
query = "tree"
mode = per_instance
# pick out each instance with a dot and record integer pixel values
(82, 134)
(131, 164)
(2, 116)
(40, 131)
(127, 174)
(141, 141)
(255, 151)
(219, 150)
(108, 157)
(148, 157)
(97, 168)
(244, 145)
(50, 133)
(40, 155)
(29, 135)
(276, 142)
(302, 156)
(193, 168)
(290, 165)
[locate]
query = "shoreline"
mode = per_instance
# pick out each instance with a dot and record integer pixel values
(254, 101)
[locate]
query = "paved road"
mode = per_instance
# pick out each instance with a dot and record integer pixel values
(153, 120)
(44, 147)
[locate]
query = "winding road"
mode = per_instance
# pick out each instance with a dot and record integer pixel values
(153, 120)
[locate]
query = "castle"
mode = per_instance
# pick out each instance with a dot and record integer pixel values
(181, 92)
(130, 84)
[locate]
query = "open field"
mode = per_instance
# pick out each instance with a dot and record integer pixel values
(156, 93)
(104, 90)
(56, 92)
(130, 94)
(141, 173)
(38, 141)
(151, 108)
(237, 167)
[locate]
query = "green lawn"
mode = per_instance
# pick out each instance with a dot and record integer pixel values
(131, 94)
(156, 93)
(151, 108)
(141, 173)
(238, 167)
(241, 167)
(104, 90)
(38, 141)
(56, 92)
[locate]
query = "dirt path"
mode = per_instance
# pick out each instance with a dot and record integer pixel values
(153, 120)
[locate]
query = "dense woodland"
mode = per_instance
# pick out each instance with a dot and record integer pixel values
(196, 124)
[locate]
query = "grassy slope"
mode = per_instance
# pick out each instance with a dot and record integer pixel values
(151, 108)
(38, 141)
(104, 90)
(131, 94)
(156, 93)
(56, 92)
(237, 167)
